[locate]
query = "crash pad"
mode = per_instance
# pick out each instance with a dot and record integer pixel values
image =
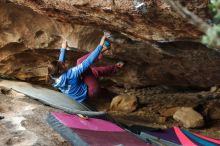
(50, 97)
(92, 131)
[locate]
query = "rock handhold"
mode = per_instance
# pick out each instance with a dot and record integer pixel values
(124, 103)
(214, 89)
(189, 117)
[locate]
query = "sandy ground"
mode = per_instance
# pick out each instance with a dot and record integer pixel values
(24, 123)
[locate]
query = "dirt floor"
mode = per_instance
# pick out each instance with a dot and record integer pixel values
(23, 120)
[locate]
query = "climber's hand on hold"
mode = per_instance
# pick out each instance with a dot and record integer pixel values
(120, 64)
(64, 44)
(107, 34)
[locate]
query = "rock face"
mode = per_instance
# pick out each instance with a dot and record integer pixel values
(189, 117)
(159, 48)
(169, 112)
(29, 40)
(124, 103)
(215, 113)
(214, 110)
(159, 23)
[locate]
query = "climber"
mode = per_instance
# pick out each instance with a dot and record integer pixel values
(80, 82)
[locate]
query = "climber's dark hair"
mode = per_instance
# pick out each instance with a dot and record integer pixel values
(55, 69)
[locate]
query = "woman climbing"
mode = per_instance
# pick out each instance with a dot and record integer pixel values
(81, 81)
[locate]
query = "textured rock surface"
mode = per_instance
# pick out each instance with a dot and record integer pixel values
(124, 103)
(160, 23)
(29, 40)
(157, 48)
(189, 117)
(214, 110)
(169, 112)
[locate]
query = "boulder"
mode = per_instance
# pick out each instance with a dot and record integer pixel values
(124, 103)
(189, 117)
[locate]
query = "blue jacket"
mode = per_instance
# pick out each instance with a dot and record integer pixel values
(69, 82)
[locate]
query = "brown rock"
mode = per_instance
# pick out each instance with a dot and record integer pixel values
(156, 49)
(124, 103)
(169, 112)
(214, 110)
(29, 40)
(214, 89)
(162, 120)
(189, 117)
(214, 113)
(4, 90)
(120, 15)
